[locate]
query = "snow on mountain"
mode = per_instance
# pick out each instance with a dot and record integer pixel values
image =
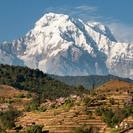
(61, 45)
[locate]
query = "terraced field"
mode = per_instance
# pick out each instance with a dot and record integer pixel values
(65, 120)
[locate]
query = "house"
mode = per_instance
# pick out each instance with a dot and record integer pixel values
(126, 92)
(117, 126)
(48, 104)
(84, 95)
(3, 107)
(27, 124)
(129, 101)
(126, 125)
(60, 99)
(60, 102)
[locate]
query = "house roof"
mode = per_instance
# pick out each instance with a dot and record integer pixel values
(4, 106)
(29, 123)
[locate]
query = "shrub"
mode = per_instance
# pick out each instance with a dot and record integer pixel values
(52, 106)
(20, 96)
(112, 101)
(68, 102)
(1, 113)
(83, 130)
(92, 93)
(8, 117)
(100, 97)
(27, 109)
(42, 109)
(57, 106)
(78, 104)
(34, 129)
(34, 106)
(28, 95)
(86, 100)
(99, 111)
(115, 130)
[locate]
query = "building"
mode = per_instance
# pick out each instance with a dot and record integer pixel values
(27, 124)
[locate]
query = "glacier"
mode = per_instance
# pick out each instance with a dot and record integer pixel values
(59, 44)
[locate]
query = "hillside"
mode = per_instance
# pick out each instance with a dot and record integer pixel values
(114, 85)
(88, 81)
(9, 91)
(100, 111)
(33, 80)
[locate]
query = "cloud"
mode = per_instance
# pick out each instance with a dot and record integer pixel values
(121, 31)
(87, 8)
(83, 12)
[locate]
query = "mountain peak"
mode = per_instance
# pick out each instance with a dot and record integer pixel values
(102, 29)
(62, 45)
(47, 19)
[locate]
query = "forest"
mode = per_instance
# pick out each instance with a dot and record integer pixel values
(34, 80)
(90, 81)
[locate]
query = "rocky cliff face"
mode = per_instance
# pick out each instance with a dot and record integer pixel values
(61, 45)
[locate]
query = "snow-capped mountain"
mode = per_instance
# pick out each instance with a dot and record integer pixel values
(61, 45)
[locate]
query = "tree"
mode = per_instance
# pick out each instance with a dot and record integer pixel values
(93, 86)
(81, 88)
(8, 118)
(34, 106)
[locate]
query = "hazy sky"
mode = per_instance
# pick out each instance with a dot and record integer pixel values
(17, 17)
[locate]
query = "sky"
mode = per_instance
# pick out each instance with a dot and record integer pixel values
(17, 17)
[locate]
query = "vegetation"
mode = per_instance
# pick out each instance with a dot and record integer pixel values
(113, 116)
(88, 82)
(78, 112)
(9, 117)
(34, 129)
(36, 81)
(20, 96)
(84, 130)
(28, 95)
(111, 100)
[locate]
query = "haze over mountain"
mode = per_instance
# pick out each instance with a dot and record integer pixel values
(61, 45)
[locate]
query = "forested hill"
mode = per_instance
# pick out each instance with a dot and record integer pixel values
(88, 81)
(36, 81)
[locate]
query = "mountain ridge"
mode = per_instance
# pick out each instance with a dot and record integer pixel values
(61, 45)
(88, 81)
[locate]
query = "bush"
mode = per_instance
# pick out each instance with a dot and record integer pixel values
(86, 100)
(78, 104)
(112, 101)
(52, 106)
(8, 117)
(68, 102)
(1, 113)
(34, 106)
(34, 129)
(115, 130)
(42, 109)
(100, 97)
(28, 95)
(20, 96)
(82, 130)
(92, 93)
(99, 111)
(27, 109)
(57, 106)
